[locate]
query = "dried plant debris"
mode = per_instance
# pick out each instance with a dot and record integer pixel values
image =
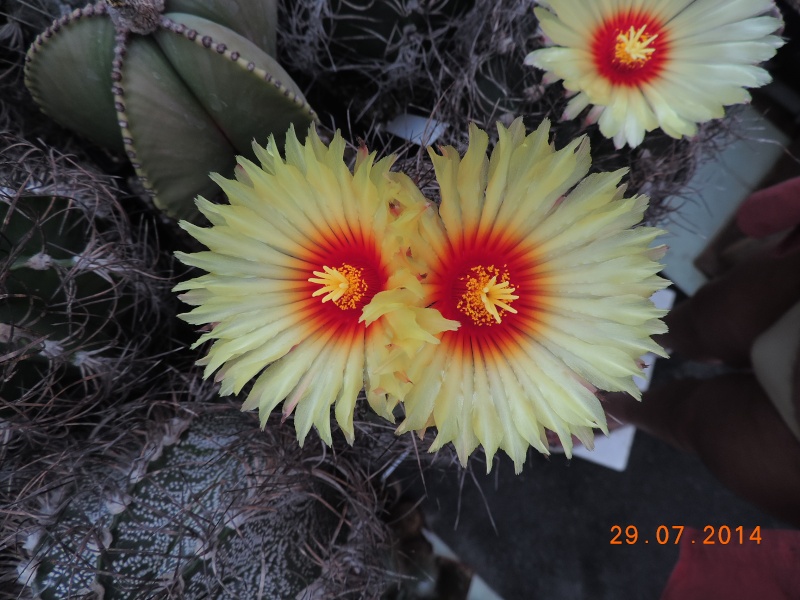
(457, 61)
(201, 505)
(371, 48)
(81, 296)
(20, 22)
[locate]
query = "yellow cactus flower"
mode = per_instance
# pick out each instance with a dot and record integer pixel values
(302, 250)
(644, 64)
(549, 277)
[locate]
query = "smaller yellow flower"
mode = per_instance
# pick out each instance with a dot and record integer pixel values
(644, 64)
(310, 289)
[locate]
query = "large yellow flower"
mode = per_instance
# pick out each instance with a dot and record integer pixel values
(645, 64)
(550, 280)
(303, 248)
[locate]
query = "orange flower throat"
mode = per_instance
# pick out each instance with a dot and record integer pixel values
(485, 299)
(633, 49)
(345, 285)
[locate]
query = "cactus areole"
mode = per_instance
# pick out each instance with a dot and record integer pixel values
(180, 86)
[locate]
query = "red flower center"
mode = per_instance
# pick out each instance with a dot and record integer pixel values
(486, 285)
(630, 48)
(485, 294)
(349, 274)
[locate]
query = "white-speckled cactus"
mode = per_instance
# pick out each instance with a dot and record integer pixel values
(206, 506)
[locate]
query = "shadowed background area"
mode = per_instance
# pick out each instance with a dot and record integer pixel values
(546, 533)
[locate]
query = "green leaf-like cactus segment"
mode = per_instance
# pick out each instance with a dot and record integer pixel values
(257, 22)
(180, 101)
(172, 142)
(68, 72)
(244, 90)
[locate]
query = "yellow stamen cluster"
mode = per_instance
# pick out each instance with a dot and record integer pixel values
(633, 48)
(485, 294)
(345, 286)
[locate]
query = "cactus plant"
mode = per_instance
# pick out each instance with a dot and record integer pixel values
(79, 293)
(200, 506)
(179, 86)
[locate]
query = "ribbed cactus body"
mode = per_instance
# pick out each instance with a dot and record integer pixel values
(53, 261)
(80, 294)
(208, 507)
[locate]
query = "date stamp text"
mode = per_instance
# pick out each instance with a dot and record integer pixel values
(671, 534)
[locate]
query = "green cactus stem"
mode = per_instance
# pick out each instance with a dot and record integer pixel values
(180, 92)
